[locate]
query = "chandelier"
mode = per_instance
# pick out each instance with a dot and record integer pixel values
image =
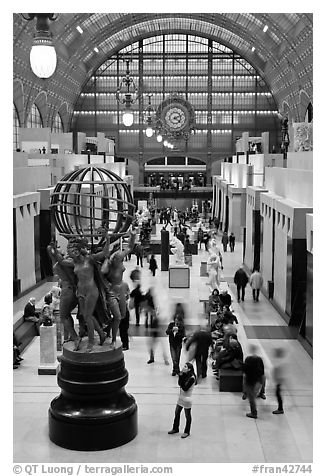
(43, 57)
(127, 94)
(149, 117)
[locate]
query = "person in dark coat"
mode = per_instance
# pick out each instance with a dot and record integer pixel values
(200, 237)
(136, 295)
(176, 333)
(229, 318)
(149, 307)
(254, 380)
(240, 280)
(30, 313)
(225, 241)
(231, 241)
(200, 342)
(139, 252)
(124, 322)
(153, 265)
(225, 299)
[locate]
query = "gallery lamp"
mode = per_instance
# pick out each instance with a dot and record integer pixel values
(43, 57)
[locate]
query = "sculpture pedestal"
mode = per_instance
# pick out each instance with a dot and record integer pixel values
(203, 269)
(93, 411)
(179, 276)
(48, 350)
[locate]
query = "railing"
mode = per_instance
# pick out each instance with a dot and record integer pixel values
(156, 192)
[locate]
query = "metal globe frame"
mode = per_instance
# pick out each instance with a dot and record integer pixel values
(92, 202)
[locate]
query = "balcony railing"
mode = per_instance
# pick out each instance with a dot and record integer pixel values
(195, 192)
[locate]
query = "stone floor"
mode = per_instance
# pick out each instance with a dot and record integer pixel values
(220, 432)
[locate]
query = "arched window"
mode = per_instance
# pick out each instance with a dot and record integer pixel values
(57, 125)
(308, 116)
(16, 126)
(227, 93)
(34, 118)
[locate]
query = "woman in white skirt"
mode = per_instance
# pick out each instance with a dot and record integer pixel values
(187, 381)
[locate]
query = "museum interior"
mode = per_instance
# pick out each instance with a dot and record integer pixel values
(181, 143)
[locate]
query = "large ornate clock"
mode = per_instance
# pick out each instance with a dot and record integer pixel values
(175, 117)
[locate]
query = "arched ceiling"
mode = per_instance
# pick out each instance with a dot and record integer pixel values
(282, 55)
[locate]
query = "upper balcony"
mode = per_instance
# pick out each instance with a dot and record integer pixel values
(143, 192)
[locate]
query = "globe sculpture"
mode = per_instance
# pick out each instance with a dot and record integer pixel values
(91, 202)
(94, 411)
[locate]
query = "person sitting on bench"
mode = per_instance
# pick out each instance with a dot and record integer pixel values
(225, 299)
(214, 301)
(30, 314)
(229, 318)
(230, 356)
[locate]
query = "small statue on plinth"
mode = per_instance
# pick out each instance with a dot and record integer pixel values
(177, 249)
(213, 269)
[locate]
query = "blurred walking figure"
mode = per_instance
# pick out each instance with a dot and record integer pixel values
(198, 345)
(153, 265)
(200, 237)
(154, 333)
(225, 241)
(254, 380)
(180, 312)
(149, 308)
(241, 280)
(256, 282)
(231, 241)
(187, 381)
(279, 377)
(136, 295)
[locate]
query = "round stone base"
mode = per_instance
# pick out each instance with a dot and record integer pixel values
(93, 411)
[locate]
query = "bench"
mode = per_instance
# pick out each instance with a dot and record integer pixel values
(25, 331)
(231, 380)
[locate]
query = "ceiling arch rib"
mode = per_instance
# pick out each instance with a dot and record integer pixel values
(121, 38)
(241, 32)
(240, 38)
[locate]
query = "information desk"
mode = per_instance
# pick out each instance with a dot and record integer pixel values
(179, 276)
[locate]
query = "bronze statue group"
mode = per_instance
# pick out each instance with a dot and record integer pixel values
(94, 283)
